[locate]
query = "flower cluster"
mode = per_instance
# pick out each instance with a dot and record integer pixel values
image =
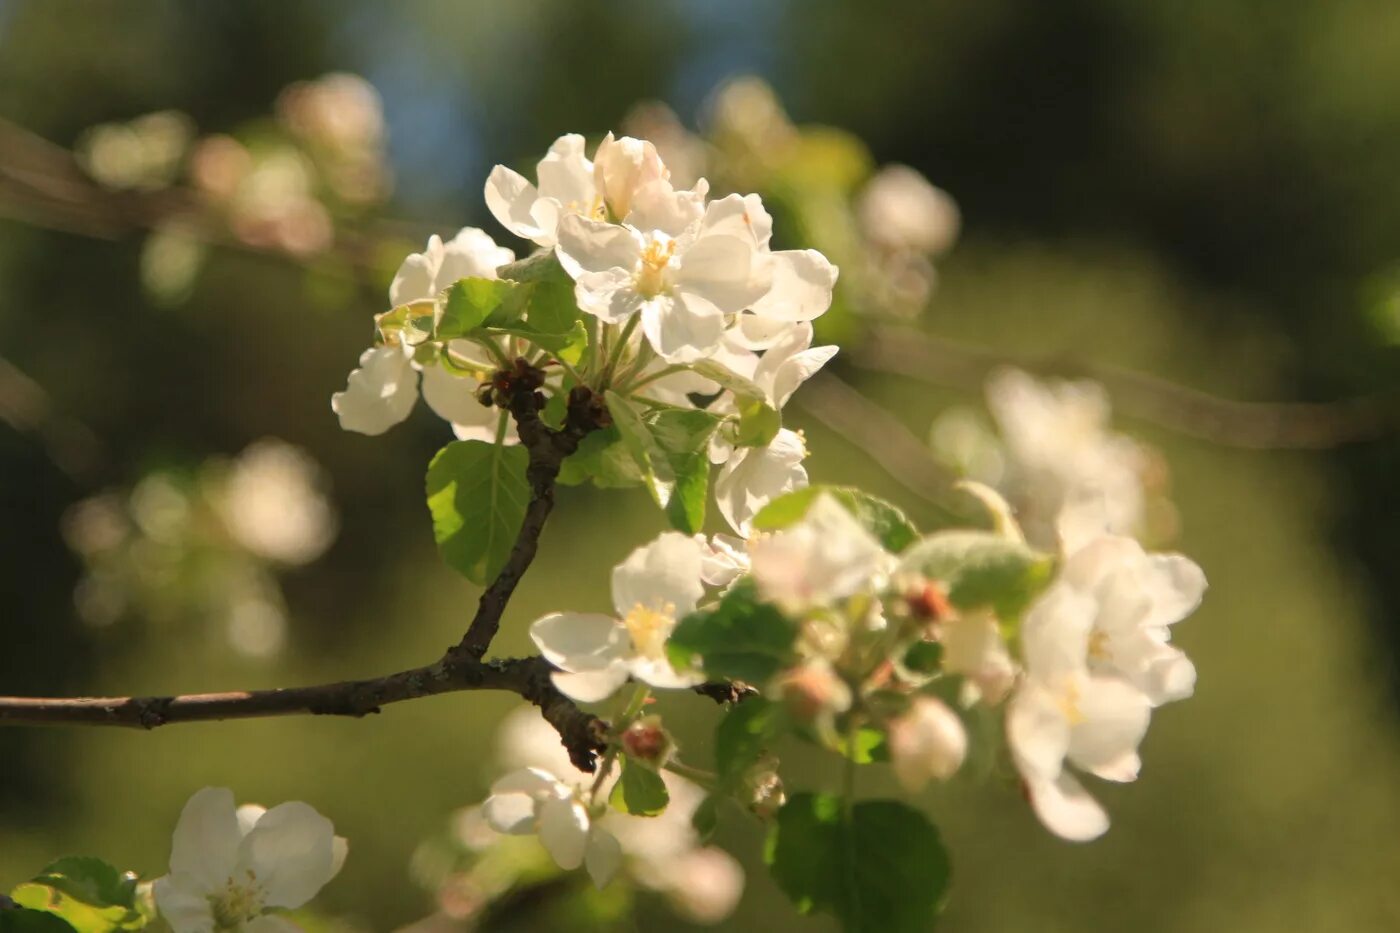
(656, 298)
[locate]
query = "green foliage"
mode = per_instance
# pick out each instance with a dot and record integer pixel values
(24, 920)
(741, 638)
(85, 895)
(472, 303)
(982, 568)
(883, 520)
(639, 791)
(758, 421)
(743, 735)
(477, 494)
(603, 459)
(879, 868)
(669, 447)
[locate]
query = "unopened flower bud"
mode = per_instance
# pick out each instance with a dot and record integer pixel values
(646, 741)
(486, 395)
(928, 741)
(928, 601)
(812, 690)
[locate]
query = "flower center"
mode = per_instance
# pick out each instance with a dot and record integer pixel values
(1068, 701)
(651, 276)
(238, 903)
(1098, 646)
(648, 629)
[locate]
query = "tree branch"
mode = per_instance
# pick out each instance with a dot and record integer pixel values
(581, 733)
(460, 668)
(547, 448)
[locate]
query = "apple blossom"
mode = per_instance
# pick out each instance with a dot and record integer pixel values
(928, 741)
(751, 477)
(1064, 713)
(534, 801)
(566, 186)
(825, 557)
(382, 391)
(655, 587)
(231, 867)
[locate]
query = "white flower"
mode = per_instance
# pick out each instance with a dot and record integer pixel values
(723, 558)
(1063, 713)
(621, 167)
(566, 186)
(682, 281)
(973, 647)
(534, 801)
(901, 211)
(230, 867)
(825, 557)
(1136, 596)
(653, 589)
(272, 503)
(382, 391)
(1070, 475)
(928, 741)
(754, 476)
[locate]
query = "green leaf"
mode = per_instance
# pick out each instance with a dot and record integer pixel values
(883, 520)
(603, 459)
(87, 893)
(705, 819)
(651, 460)
(565, 345)
(477, 494)
(684, 438)
(759, 422)
(743, 735)
(879, 869)
(474, 302)
(924, 657)
(24, 920)
(552, 312)
(640, 791)
(741, 638)
(982, 568)
(670, 448)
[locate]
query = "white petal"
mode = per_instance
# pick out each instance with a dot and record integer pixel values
(453, 398)
(206, 839)
(1170, 678)
(340, 850)
(563, 830)
(509, 197)
(579, 640)
(533, 782)
(663, 576)
(292, 851)
(1066, 808)
(184, 903)
(1055, 632)
(510, 813)
(658, 672)
(471, 252)
(739, 215)
(725, 271)
(621, 166)
(379, 394)
(1037, 732)
(658, 206)
(610, 296)
(248, 815)
(1114, 719)
(1176, 585)
(755, 476)
(757, 333)
(566, 175)
(683, 327)
(414, 280)
(602, 857)
(803, 280)
(592, 246)
(591, 686)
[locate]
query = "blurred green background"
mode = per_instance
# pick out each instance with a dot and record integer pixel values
(1206, 190)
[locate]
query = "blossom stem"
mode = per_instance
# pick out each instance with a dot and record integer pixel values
(706, 779)
(652, 377)
(615, 356)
